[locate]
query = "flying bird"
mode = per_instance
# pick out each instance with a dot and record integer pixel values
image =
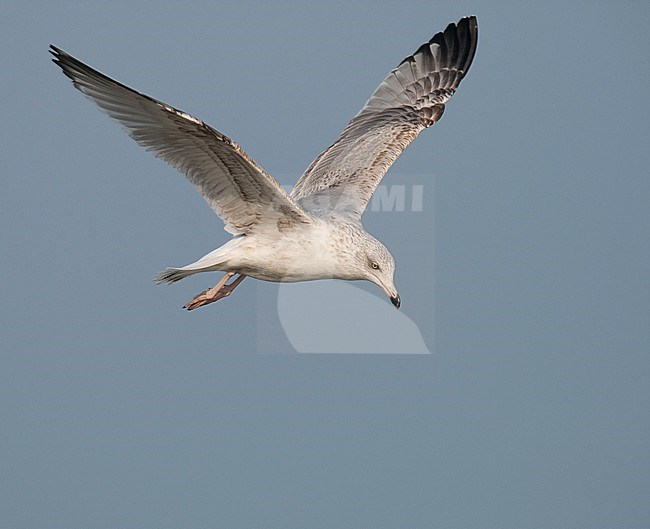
(314, 232)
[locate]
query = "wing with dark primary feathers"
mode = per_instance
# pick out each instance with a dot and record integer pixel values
(244, 196)
(411, 98)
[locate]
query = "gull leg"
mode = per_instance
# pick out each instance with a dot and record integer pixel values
(221, 290)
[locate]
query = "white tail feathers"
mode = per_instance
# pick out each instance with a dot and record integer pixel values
(214, 261)
(171, 275)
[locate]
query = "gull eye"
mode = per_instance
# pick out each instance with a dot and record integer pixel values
(374, 265)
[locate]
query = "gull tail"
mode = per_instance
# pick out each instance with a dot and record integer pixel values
(171, 275)
(213, 262)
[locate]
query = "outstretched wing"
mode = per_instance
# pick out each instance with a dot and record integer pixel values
(238, 190)
(411, 98)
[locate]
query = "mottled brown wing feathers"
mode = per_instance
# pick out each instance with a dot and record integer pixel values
(244, 196)
(411, 98)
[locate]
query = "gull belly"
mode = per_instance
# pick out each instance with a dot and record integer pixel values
(301, 254)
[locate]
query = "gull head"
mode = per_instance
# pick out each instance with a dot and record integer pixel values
(376, 264)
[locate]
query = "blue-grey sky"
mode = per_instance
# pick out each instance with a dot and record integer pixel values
(525, 276)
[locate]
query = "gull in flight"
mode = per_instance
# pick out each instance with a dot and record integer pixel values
(314, 232)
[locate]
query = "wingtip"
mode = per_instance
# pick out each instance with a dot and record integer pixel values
(470, 19)
(58, 54)
(469, 22)
(55, 50)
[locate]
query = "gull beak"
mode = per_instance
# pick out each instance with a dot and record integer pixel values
(392, 293)
(395, 300)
